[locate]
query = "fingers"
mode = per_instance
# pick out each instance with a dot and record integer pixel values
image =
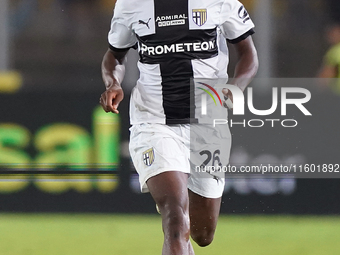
(227, 94)
(111, 105)
(110, 100)
(119, 97)
(103, 102)
(228, 98)
(225, 91)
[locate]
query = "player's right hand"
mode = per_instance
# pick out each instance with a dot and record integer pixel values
(111, 98)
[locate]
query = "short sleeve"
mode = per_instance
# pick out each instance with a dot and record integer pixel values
(235, 22)
(121, 35)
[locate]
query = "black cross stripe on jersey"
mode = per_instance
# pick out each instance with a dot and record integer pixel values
(176, 67)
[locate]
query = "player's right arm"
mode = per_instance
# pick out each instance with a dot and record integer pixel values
(121, 38)
(113, 71)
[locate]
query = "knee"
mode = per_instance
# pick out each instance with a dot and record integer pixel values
(203, 239)
(176, 216)
(176, 220)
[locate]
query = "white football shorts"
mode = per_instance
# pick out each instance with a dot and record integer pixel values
(158, 148)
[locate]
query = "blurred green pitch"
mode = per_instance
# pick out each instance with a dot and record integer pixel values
(101, 234)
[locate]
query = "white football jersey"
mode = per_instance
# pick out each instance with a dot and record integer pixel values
(177, 40)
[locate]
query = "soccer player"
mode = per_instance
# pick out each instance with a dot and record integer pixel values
(177, 41)
(331, 63)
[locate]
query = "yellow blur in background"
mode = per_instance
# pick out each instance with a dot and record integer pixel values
(10, 81)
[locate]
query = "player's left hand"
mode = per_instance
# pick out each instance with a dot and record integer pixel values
(228, 98)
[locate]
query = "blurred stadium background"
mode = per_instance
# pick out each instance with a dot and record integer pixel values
(50, 83)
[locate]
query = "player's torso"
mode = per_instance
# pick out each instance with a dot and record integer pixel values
(177, 40)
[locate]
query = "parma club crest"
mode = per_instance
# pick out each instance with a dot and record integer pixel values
(148, 157)
(199, 16)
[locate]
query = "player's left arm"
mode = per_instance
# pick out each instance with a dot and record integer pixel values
(237, 27)
(246, 66)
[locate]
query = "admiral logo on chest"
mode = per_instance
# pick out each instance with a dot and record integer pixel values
(171, 20)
